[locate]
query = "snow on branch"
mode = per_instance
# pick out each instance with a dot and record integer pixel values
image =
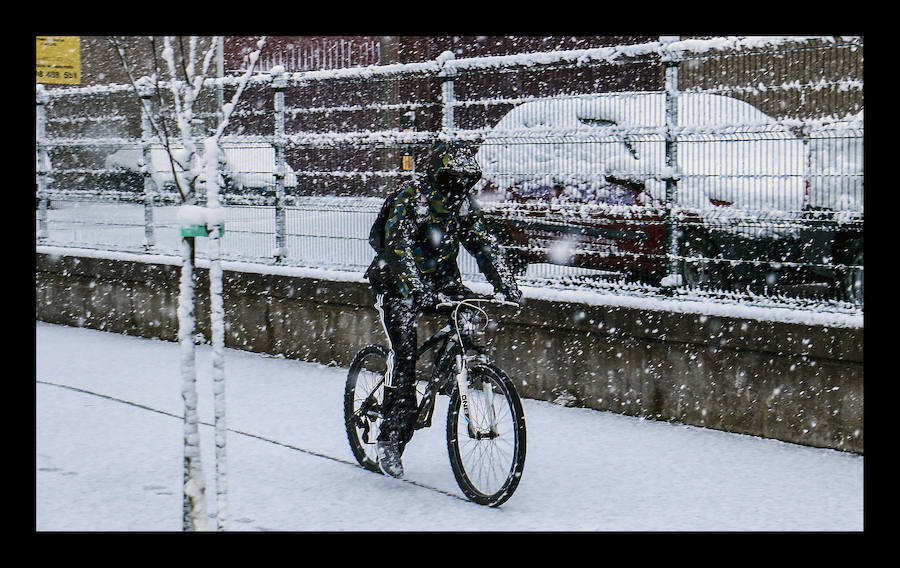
(187, 77)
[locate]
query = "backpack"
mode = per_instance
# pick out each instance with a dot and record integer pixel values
(376, 234)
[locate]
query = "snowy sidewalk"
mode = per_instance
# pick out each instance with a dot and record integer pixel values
(109, 457)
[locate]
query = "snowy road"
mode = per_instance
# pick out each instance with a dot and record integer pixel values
(109, 457)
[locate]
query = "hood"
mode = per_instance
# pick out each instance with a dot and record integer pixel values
(452, 167)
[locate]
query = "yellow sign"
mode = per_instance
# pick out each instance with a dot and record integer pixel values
(58, 60)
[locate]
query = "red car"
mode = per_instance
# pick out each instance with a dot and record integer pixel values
(579, 182)
(625, 235)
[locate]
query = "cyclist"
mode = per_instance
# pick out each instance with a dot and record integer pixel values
(416, 238)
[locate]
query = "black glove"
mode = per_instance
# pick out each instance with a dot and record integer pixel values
(426, 299)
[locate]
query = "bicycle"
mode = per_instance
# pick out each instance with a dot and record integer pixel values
(485, 419)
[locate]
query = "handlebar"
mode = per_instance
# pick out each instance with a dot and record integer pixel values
(472, 303)
(456, 303)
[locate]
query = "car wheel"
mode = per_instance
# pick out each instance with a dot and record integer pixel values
(698, 269)
(853, 276)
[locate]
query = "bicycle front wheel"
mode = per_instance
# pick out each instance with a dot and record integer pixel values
(487, 454)
(363, 397)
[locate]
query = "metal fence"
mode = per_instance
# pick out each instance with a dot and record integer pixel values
(714, 167)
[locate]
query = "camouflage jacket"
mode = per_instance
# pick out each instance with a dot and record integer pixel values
(421, 243)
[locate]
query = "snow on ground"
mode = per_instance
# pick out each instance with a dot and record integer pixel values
(109, 457)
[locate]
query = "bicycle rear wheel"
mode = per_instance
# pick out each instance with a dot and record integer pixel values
(363, 397)
(487, 458)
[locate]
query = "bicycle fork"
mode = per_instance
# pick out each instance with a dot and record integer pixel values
(462, 384)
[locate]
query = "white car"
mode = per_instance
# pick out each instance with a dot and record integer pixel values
(728, 151)
(589, 173)
(836, 165)
(248, 166)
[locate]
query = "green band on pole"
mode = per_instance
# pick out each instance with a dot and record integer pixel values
(200, 231)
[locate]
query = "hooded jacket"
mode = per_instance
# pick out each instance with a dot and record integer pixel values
(426, 221)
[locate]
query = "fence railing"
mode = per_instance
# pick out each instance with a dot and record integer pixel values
(720, 167)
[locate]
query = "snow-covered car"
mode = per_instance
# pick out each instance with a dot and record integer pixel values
(248, 167)
(581, 181)
(728, 152)
(836, 199)
(836, 165)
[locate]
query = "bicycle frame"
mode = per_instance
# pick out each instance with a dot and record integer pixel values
(486, 458)
(450, 361)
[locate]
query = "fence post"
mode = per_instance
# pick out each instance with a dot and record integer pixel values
(279, 84)
(42, 160)
(670, 62)
(146, 92)
(448, 97)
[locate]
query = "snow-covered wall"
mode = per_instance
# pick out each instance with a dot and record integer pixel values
(795, 381)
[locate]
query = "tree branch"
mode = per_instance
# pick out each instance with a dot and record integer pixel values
(156, 128)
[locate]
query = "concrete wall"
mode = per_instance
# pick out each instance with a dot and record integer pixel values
(794, 382)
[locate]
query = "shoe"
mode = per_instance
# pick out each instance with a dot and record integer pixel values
(389, 455)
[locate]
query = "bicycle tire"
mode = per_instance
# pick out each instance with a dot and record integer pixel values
(488, 470)
(365, 379)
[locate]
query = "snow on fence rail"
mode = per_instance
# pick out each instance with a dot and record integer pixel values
(727, 167)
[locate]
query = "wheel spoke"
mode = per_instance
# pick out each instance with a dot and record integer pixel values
(490, 461)
(362, 404)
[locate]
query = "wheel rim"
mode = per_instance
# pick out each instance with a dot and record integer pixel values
(488, 459)
(369, 381)
(854, 280)
(701, 271)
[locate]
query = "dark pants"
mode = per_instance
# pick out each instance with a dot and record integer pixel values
(399, 316)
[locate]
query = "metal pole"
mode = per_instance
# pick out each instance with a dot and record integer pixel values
(220, 72)
(670, 62)
(42, 165)
(146, 92)
(389, 49)
(279, 84)
(448, 97)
